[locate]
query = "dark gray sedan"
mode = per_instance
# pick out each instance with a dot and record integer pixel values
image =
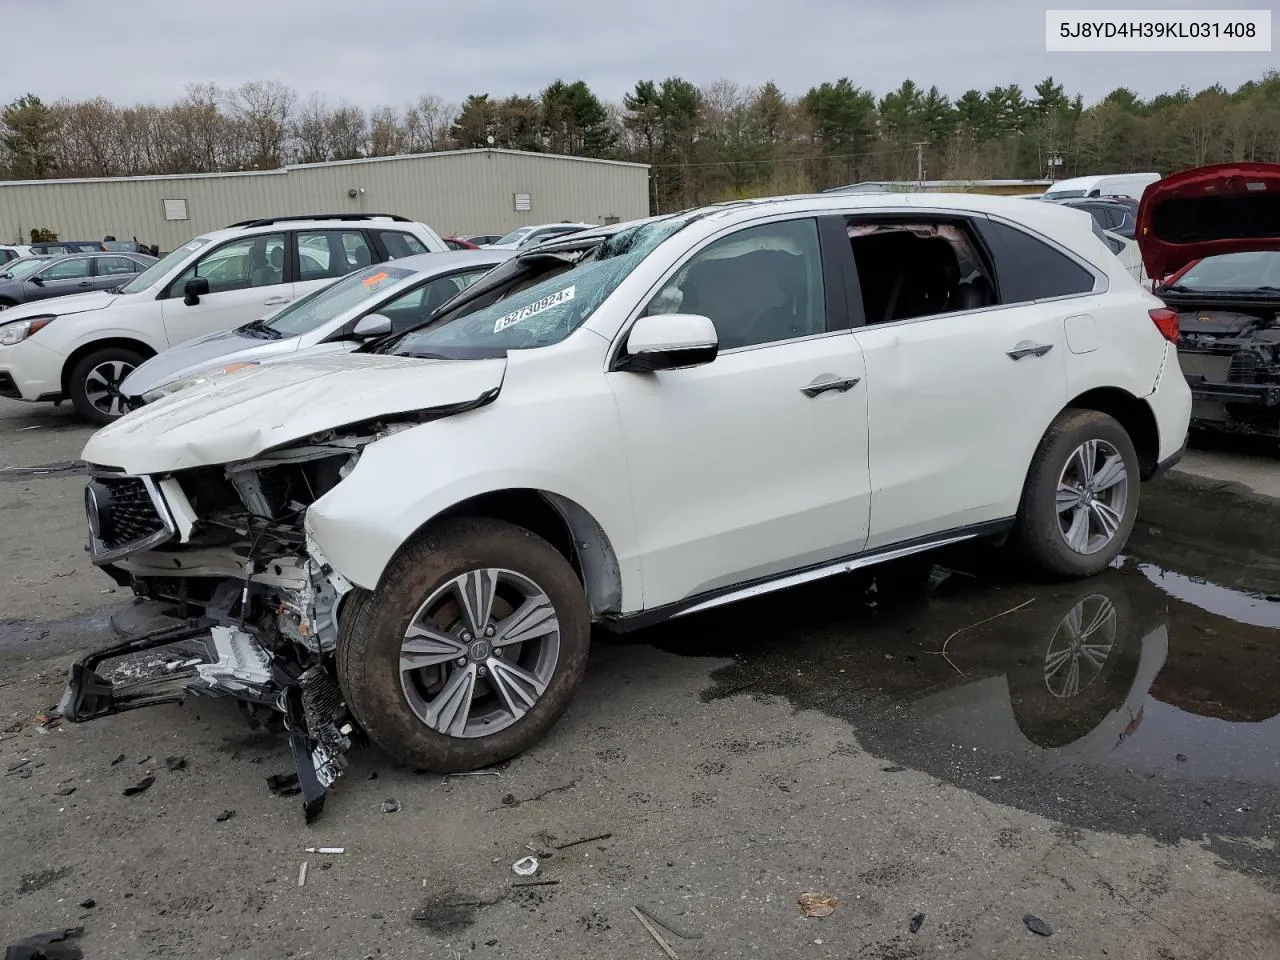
(38, 278)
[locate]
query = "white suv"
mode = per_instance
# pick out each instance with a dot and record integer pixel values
(83, 346)
(625, 425)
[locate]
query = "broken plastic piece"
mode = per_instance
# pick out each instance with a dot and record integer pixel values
(816, 904)
(302, 873)
(89, 904)
(47, 946)
(525, 867)
(326, 849)
(1036, 925)
(119, 759)
(142, 786)
(390, 806)
(916, 923)
(225, 815)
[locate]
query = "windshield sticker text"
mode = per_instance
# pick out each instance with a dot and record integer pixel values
(538, 306)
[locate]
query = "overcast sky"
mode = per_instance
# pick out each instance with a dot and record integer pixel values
(391, 51)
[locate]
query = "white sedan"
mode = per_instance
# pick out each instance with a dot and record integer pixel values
(626, 425)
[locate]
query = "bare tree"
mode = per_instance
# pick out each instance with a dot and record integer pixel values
(348, 133)
(311, 131)
(264, 108)
(387, 137)
(427, 123)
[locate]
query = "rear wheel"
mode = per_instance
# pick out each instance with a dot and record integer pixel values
(95, 381)
(470, 650)
(1081, 495)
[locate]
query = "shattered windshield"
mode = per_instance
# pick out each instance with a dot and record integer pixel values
(1234, 273)
(545, 312)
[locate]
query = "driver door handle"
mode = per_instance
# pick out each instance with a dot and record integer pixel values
(1025, 348)
(822, 385)
(274, 301)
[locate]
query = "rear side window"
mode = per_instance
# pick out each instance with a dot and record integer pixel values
(1029, 269)
(115, 266)
(399, 244)
(331, 253)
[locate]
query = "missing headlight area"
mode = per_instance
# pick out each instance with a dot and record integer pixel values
(253, 610)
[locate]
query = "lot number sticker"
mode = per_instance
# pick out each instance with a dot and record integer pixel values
(533, 309)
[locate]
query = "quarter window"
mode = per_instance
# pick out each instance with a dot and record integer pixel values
(399, 244)
(1029, 269)
(759, 285)
(251, 262)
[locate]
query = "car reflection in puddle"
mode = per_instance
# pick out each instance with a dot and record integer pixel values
(1139, 701)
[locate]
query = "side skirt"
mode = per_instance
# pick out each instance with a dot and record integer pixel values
(755, 588)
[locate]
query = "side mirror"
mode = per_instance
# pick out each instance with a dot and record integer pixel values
(371, 325)
(669, 341)
(196, 288)
(38, 281)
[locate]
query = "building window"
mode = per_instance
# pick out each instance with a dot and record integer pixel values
(175, 209)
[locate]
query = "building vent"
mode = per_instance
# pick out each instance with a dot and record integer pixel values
(524, 202)
(175, 209)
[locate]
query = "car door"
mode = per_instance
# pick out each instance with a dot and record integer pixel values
(73, 275)
(754, 464)
(960, 398)
(248, 277)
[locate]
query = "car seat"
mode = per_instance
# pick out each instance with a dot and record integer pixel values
(271, 272)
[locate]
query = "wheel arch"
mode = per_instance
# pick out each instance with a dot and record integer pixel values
(1132, 413)
(107, 343)
(563, 523)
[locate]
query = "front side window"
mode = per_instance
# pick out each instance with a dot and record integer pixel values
(331, 253)
(399, 244)
(759, 285)
(1029, 269)
(316, 309)
(417, 306)
(161, 268)
(116, 266)
(67, 269)
(250, 262)
(523, 315)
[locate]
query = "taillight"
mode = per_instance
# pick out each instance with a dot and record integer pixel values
(1166, 322)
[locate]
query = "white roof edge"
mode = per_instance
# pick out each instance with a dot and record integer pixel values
(279, 171)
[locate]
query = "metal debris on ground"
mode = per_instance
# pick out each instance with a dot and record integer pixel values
(302, 873)
(680, 932)
(653, 932)
(943, 652)
(284, 785)
(472, 773)
(1036, 925)
(574, 843)
(534, 883)
(817, 904)
(525, 867)
(47, 946)
(119, 759)
(89, 904)
(390, 806)
(146, 759)
(916, 923)
(175, 763)
(225, 815)
(142, 786)
(326, 850)
(892, 769)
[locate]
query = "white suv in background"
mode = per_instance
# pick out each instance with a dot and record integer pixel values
(82, 347)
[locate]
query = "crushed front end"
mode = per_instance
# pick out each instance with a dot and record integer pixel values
(1231, 360)
(249, 607)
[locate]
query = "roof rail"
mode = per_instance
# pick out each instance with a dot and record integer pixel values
(267, 221)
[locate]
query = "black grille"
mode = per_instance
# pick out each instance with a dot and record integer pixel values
(8, 388)
(130, 515)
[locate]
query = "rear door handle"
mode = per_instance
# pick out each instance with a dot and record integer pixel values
(84, 283)
(824, 384)
(1025, 348)
(274, 301)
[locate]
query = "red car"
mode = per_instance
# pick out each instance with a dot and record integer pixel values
(454, 243)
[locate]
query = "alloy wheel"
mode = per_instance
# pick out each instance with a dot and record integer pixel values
(479, 653)
(1093, 493)
(1080, 646)
(102, 387)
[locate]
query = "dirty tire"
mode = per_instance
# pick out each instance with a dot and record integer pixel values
(76, 383)
(369, 642)
(1038, 533)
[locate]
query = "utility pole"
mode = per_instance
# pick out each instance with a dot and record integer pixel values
(920, 161)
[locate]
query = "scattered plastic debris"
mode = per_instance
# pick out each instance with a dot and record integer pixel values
(65, 791)
(89, 904)
(326, 850)
(816, 904)
(574, 843)
(525, 867)
(146, 759)
(1181, 757)
(225, 815)
(284, 785)
(653, 932)
(175, 763)
(119, 759)
(390, 806)
(996, 779)
(916, 923)
(47, 946)
(535, 883)
(18, 765)
(892, 769)
(1036, 925)
(302, 873)
(142, 786)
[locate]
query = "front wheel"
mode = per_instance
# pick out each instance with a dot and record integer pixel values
(469, 651)
(1081, 495)
(95, 381)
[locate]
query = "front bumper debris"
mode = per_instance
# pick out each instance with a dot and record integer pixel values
(204, 658)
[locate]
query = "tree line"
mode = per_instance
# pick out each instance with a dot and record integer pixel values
(716, 142)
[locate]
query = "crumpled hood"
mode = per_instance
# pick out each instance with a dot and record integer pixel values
(61, 306)
(238, 415)
(1206, 211)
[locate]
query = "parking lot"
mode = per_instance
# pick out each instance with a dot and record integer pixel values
(905, 745)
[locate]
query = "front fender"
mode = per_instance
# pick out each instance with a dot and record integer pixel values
(563, 445)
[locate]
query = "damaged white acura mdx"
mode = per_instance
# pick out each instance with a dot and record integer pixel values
(412, 542)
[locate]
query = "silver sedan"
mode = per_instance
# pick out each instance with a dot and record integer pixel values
(368, 302)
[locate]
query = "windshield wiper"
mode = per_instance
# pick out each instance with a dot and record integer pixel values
(260, 330)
